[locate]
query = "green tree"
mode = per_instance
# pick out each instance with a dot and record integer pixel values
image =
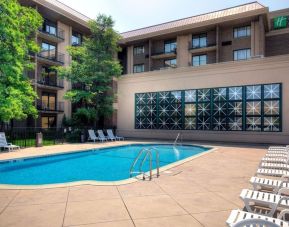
(18, 25)
(93, 66)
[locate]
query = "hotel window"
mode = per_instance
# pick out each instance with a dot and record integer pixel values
(48, 101)
(138, 68)
(243, 54)
(199, 41)
(48, 122)
(49, 27)
(138, 50)
(170, 63)
(48, 76)
(48, 50)
(199, 60)
(170, 46)
(76, 39)
(242, 32)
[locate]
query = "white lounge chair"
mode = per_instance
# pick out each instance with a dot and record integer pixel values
(283, 150)
(284, 160)
(101, 135)
(269, 184)
(5, 145)
(272, 172)
(240, 218)
(276, 155)
(270, 165)
(269, 200)
(92, 136)
(111, 135)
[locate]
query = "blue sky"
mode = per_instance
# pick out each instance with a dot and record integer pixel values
(133, 14)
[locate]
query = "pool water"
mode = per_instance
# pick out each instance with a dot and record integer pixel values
(106, 164)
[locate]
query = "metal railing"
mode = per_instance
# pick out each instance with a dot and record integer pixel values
(179, 137)
(52, 55)
(164, 52)
(59, 33)
(51, 82)
(191, 47)
(49, 107)
(147, 153)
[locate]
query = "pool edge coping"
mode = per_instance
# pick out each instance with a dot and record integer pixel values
(103, 183)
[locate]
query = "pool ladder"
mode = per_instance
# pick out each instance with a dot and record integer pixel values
(179, 136)
(147, 153)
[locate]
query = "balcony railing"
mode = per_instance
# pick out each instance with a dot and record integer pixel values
(52, 56)
(50, 82)
(49, 107)
(163, 68)
(58, 34)
(163, 52)
(191, 47)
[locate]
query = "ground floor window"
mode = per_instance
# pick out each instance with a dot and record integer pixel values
(238, 108)
(48, 121)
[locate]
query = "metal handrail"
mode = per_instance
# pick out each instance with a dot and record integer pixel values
(147, 154)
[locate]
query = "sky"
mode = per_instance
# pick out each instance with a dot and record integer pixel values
(133, 14)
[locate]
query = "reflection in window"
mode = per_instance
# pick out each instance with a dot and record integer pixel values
(170, 63)
(243, 54)
(199, 60)
(199, 41)
(76, 39)
(49, 27)
(48, 122)
(170, 46)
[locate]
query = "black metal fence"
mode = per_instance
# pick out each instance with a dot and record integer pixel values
(26, 137)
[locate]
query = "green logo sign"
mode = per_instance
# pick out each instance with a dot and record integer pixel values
(280, 22)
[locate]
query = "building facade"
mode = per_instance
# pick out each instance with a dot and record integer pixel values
(62, 27)
(220, 76)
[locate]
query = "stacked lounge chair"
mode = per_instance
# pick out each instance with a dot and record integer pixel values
(272, 193)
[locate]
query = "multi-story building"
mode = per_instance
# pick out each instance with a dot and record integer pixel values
(62, 27)
(219, 76)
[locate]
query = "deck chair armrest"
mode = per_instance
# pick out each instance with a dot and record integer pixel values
(282, 214)
(283, 190)
(280, 200)
(285, 177)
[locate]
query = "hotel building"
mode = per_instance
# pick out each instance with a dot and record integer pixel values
(219, 76)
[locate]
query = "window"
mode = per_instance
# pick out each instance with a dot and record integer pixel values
(199, 60)
(138, 50)
(242, 32)
(48, 122)
(170, 63)
(48, 76)
(243, 54)
(49, 27)
(48, 50)
(138, 68)
(76, 39)
(48, 101)
(199, 41)
(170, 46)
(241, 108)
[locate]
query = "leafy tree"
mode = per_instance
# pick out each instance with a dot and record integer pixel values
(18, 25)
(93, 67)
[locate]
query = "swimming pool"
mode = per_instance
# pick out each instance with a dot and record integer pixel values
(104, 164)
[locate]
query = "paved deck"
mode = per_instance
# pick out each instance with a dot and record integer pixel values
(201, 192)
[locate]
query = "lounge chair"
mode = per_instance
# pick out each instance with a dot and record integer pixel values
(269, 200)
(5, 145)
(276, 155)
(101, 135)
(281, 150)
(272, 172)
(270, 165)
(93, 137)
(240, 218)
(111, 135)
(284, 160)
(269, 184)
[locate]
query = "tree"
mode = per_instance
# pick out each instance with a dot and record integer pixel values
(18, 25)
(92, 69)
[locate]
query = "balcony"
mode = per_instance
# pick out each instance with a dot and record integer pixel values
(51, 57)
(163, 54)
(55, 84)
(163, 68)
(45, 107)
(199, 49)
(57, 36)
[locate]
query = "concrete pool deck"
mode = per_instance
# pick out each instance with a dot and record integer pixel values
(200, 192)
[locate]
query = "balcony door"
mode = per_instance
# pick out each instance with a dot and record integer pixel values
(48, 121)
(49, 27)
(48, 101)
(48, 76)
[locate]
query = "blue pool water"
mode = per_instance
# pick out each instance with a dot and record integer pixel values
(107, 164)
